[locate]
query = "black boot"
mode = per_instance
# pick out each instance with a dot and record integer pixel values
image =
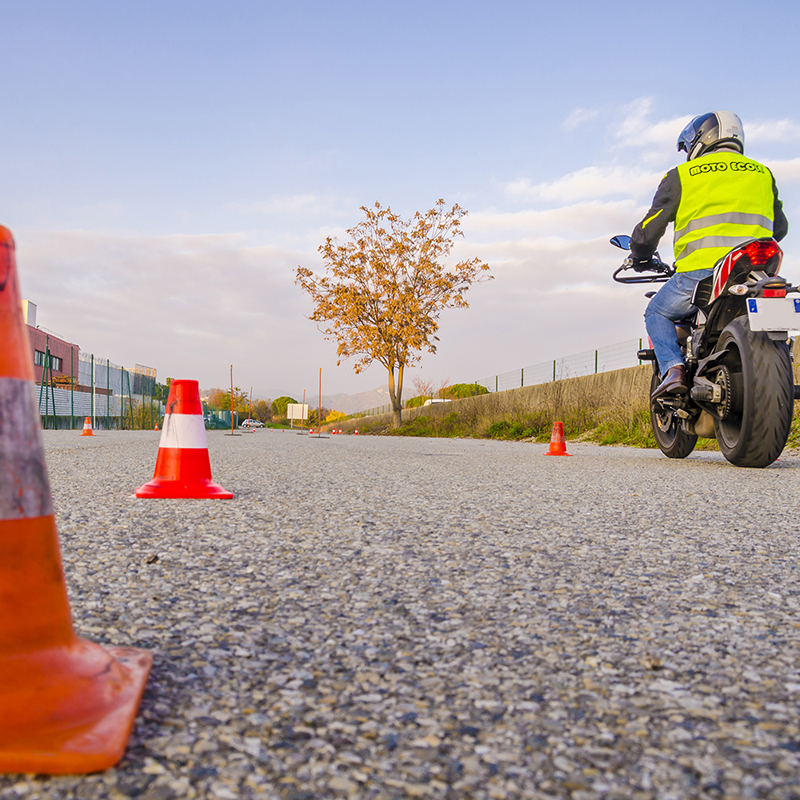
(674, 382)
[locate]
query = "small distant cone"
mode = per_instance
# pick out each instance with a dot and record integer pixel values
(156, 427)
(558, 445)
(183, 469)
(356, 432)
(87, 427)
(67, 705)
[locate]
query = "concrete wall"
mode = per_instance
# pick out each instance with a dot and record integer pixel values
(621, 391)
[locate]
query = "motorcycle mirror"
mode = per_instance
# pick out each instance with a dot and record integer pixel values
(623, 242)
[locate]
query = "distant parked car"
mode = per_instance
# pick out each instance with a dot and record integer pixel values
(252, 423)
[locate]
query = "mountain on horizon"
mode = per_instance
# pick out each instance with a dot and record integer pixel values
(350, 403)
(346, 403)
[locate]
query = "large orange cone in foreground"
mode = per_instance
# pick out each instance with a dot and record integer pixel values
(66, 705)
(87, 427)
(183, 469)
(558, 445)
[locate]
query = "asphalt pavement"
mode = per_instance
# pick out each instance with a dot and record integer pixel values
(381, 617)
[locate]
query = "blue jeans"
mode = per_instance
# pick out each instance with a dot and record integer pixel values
(672, 303)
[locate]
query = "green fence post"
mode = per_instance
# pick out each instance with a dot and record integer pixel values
(554, 369)
(41, 386)
(595, 362)
(130, 400)
(53, 395)
(108, 393)
(522, 377)
(92, 395)
(71, 389)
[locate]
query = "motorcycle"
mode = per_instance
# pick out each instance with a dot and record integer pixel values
(738, 355)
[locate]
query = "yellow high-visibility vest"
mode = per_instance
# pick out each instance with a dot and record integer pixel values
(725, 199)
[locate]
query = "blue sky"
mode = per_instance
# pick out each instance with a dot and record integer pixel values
(166, 165)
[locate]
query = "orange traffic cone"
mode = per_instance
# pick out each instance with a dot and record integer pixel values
(67, 706)
(87, 427)
(156, 427)
(558, 445)
(183, 469)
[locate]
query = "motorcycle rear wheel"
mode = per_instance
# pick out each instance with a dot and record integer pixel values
(755, 431)
(671, 439)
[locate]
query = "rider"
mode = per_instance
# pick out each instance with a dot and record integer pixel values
(717, 199)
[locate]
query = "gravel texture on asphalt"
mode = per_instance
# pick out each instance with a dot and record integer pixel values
(379, 617)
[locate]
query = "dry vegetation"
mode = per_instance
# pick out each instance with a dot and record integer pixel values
(610, 408)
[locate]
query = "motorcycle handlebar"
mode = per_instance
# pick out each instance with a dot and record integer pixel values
(659, 271)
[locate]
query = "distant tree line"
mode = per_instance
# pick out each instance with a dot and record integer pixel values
(266, 411)
(427, 390)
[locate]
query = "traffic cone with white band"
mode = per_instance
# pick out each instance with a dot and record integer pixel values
(87, 427)
(183, 469)
(67, 706)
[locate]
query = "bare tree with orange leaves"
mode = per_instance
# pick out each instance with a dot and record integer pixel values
(383, 291)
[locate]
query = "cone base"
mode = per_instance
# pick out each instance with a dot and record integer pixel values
(558, 454)
(182, 490)
(88, 732)
(86, 433)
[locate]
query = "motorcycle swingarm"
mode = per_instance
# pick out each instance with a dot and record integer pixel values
(704, 364)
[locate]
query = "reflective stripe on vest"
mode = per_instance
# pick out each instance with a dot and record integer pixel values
(725, 199)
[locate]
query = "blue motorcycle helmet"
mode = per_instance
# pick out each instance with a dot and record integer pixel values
(708, 131)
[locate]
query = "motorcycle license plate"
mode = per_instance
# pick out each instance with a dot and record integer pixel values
(774, 314)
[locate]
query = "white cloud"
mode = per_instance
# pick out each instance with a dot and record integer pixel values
(578, 117)
(782, 130)
(784, 171)
(551, 297)
(289, 205)
(579, 221)
(588, 183)
(638, 129)
(187, 305)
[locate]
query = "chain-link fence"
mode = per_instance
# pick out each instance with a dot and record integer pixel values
(371, 412)
(604, 359)
(111, 395)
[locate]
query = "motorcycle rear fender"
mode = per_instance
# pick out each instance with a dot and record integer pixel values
(701, 296)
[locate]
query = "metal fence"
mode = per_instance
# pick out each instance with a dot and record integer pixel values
(371, 412)
(111, 395)
(604, 359)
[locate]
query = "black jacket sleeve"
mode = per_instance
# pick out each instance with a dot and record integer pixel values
(780, 226)
(646, 235)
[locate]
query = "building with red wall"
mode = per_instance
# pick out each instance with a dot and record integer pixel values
(63, 354)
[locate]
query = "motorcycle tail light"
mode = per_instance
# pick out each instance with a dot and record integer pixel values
(774, 293)
(761, 251)
(738, 288)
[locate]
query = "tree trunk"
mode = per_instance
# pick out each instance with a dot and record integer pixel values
(396, 395)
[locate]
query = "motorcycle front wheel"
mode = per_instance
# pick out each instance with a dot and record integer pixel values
(672, 441)
(757, 373)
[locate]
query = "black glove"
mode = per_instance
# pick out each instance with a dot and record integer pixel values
(639, 264)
